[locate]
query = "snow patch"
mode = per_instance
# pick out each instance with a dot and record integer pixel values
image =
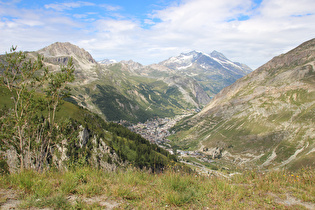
(184, 67)
(227, 62)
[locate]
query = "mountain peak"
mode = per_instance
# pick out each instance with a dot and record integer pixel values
(215, 70)
(58, 49)
(215, 60)
(218, 55)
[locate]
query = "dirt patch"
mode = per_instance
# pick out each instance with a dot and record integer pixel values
(103, 201)
(9, 199)
(290, 201)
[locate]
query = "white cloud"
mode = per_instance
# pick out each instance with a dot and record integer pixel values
(116, 26)
(272, 28)
(117, 39)
(80, 16)
(284, 8)
(110, 7)
(33, 29)
(68, 5)
(251, 36)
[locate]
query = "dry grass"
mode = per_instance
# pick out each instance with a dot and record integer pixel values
(87, 188)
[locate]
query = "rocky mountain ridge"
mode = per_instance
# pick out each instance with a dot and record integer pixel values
(214, 60)
(212, 71)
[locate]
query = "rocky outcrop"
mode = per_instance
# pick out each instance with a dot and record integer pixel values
(214, 153)
(102, 156)
(10, 156)
(83, 136)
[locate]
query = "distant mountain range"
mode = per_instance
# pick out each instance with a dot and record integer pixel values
(212, 71)
(128, 90)
(266, 118)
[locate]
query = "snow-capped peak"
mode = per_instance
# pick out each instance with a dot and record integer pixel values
(107, 61)
(208, 62)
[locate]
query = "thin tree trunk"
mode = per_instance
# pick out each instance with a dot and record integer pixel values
(21, 149)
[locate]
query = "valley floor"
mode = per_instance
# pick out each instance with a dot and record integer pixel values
(157, 130)
(87, 188)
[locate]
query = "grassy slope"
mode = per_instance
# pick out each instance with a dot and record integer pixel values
(86, 188)
(122, 96)
(259, 134)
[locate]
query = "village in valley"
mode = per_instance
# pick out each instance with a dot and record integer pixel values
(158, 129)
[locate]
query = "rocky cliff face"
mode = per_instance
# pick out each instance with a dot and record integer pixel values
(265, 118)
(102, 156)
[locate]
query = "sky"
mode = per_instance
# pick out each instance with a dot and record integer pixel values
(150, 31)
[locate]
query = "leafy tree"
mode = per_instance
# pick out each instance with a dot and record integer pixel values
(20, 78)
(23, 127)
(56, 91)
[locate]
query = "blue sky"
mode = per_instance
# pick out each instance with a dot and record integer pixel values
(247, 31)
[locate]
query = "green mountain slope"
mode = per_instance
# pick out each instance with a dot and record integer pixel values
(119, 95)
(265, 118)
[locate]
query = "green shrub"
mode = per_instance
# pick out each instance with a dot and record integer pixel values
(4, 168)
